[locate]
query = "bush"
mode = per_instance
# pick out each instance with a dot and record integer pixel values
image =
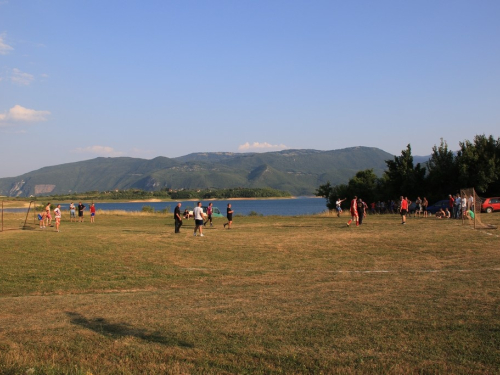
(148, 209)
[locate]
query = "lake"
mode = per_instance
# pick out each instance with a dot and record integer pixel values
(265, 207)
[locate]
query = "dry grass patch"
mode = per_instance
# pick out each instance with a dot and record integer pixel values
(273, 295)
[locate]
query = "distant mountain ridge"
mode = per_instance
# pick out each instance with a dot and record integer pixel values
(299, 172)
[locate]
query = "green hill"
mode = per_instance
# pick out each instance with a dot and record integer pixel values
(298, 171)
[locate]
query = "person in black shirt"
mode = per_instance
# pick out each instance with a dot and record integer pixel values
(361, 211)
(178, 218)
(81, 207)
(229, 216)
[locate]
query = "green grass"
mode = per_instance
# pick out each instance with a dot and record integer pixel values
(273, 295)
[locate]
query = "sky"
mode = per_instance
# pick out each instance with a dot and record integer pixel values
(82, 79)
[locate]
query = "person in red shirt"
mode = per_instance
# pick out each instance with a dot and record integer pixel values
(403, 209)
(354, 212)
(92, 213)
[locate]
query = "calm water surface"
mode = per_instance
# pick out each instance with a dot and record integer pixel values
(266, 207)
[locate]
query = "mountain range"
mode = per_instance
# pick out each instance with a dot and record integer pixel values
(299, 172)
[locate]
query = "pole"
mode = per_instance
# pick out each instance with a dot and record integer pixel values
(27, 213)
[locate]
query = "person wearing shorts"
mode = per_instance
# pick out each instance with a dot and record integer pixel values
(92, 213)
(338, 205)
(403, 210)
(354, 212)
(57, 214)
(209, 214)
(229, 216)
(198, 219)
(81, 207)
(72, 212)
(48, 217)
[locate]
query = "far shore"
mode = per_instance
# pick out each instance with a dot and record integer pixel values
(14, 203)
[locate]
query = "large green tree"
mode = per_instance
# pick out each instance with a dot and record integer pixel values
(478, 163)
(442, 178)
(404, 178)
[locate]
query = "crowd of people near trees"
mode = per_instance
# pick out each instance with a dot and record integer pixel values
(476, 164)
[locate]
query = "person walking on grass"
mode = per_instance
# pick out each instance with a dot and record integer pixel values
(198, 219)
(178, 218)
(209, 214)
(92, 213)
(229, 216)
(403, 210)
(57, 214)
(354, 212)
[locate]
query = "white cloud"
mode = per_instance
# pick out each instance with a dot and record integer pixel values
(257, 146)
(4, 47)
(21, 78)
(98, 150)
(21, 114)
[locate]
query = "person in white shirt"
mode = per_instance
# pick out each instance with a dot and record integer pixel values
(198, 219)
(57, 214)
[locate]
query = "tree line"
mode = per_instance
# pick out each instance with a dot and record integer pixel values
(476, 164)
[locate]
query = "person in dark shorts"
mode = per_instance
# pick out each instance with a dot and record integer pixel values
(229, 216)
(198, 219)
(209, 214)
(81, 207)
(361, 210)
(177, 218)
(403, 209)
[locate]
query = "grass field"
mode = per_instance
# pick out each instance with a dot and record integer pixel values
(273, 295)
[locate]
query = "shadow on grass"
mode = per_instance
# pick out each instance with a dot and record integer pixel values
(117, 330)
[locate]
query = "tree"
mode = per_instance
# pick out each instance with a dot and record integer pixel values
(442, 178)
(402, 177)
(478, 163)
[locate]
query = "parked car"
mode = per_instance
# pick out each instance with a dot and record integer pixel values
(490, 204)
(215, 212)
(438, 205)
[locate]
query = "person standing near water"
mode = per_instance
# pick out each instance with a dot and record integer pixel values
(57, 214)
(81, 207)
(198, 219)
(92, 213)
(178, 217)
(229, 216)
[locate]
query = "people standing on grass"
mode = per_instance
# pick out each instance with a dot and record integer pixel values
(418, 207)
(92, 213)
(198, 219)
(456, 207)
(209, 214)
(178, 217)
(72, 212)
(57, 214)
(354, 211)
(81, 207)
(403, 210)
(229, 215)
(338, 205)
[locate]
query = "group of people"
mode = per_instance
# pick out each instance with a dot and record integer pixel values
(461, 206)
(358, 210)
(199, 218)
(45, 217)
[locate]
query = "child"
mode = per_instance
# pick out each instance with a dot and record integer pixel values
(92, 212)
(57, 214)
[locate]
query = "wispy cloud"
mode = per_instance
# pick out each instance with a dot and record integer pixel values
(4, 47)
(21, 114)
(21, 78)
(264, 146)
(98, 150)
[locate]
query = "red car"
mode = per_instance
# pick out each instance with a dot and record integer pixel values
(491, 204)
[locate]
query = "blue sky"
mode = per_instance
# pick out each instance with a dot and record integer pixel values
(81, 79)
